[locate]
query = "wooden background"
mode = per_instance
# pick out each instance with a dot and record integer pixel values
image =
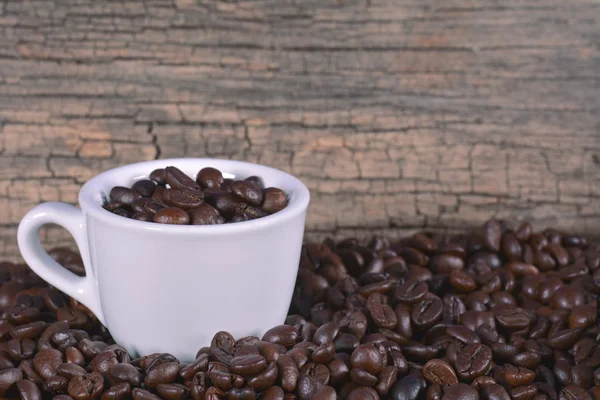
(398, 114)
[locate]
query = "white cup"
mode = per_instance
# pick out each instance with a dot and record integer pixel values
(170, 288)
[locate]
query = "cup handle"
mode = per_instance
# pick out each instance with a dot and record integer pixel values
(82, 289)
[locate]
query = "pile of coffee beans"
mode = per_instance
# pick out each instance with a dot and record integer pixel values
(172, 197)
(501, 313)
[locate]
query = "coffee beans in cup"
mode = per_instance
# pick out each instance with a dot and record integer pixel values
(172, 197)
(501, 313)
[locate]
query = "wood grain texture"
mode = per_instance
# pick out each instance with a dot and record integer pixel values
(398, 114)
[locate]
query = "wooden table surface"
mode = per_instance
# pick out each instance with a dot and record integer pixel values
(399, 115)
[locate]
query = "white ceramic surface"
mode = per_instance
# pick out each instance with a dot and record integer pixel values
(170, 288)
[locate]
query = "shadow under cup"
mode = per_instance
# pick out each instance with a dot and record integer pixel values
(170, 288)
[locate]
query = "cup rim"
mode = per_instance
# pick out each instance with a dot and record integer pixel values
(298, 202)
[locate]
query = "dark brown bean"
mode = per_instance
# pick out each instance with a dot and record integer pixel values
(183, 199)
(145, 187)
(179, 180)
(171, 215)
(274, 200)
(439, 372)
(209, 178)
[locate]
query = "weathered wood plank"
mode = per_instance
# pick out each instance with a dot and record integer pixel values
(398, 114)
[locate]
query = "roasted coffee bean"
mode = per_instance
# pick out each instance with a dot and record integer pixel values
(183, 199)
(86, 387)
(270, 351)
(28, 390)
(70, 370)
(368, 357)
(157, 195)
(288, 372)
(159, 176)
(226, 203)
(141, 394)
(411, 292)
(381, 313)
(46, 362)
(142, 216)
(57, 384)
(274, 200)
(123, 195)
(573, 392)
(8, 378)
(407, 388)
(264, 379)
(126, 373)
(516, 376)
(283, 334)
(462, 281)
(247, 365)
(439, 372)
(145, 187)
(177, 179)
(210, 178)
(205, 214)
(172, 391)
(473, 361)
(272, 393)
(427, 312)
(248, 192)
(171, 215)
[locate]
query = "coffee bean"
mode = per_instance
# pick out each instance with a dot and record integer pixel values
(86, 387)
(225, 203)
(124, 195)
(210, 178)
(28, 390)
(274, 200)
(362, 393)
(8, 378)
(171, 215)
(247, 192)
(462, 281)
(264, 379)
(145, 187)
(411, 292)
(184, 199)
(46, 362)
(283, 334)
(177, 179)
(381, 313)
(248, 365)
(142, 216)
(141, 394)
(69, 370)
(368, 357)
(159, 176)
(473, 361)
(407, 388)
(126, 373)
(172, 391)
(427, 312)
(460, 391)
(439, 372)
(492, 235)
(516, 376)
(205, 214)
(272, 393)
(288, 372)
(573, 392)
(57, 384)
